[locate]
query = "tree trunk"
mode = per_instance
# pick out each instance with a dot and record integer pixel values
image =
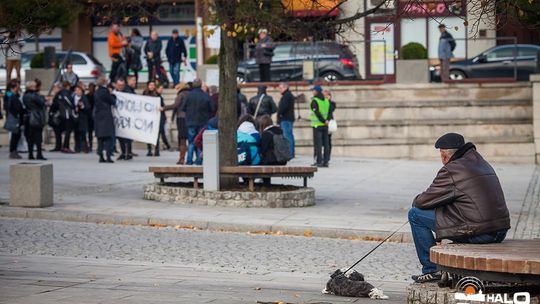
(228, 63)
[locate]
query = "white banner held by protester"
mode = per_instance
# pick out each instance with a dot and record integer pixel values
(137, 117)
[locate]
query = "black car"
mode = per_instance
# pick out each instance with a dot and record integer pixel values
(503, 61)
(332, 61)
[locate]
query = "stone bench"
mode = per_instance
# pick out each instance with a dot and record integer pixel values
(516, 261)
(247, 172)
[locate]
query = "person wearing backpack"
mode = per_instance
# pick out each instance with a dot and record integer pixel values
(447, 44)
(275, 147)
(247, 142)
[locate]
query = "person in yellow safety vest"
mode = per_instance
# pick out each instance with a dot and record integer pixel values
(319, 114)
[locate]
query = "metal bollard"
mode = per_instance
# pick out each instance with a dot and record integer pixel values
(211, 160)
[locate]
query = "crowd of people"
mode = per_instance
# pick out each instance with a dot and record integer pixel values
(77, 113)
(126, 54)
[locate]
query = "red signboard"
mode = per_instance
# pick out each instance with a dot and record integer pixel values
(432, 8)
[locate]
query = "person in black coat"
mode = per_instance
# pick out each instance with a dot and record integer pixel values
(103, 120)
(176, 53)
(35, 119)
(328, 95)
(126, 144)
(152, 49)
(57, 116)
(68, 114)
(162, 121)
(264, 102)
(90, 130)
(83, 111)
(14, 108)
(267, 129)
(286, 114)
(198, 108)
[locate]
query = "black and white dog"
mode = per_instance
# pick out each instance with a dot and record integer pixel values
(352, 284)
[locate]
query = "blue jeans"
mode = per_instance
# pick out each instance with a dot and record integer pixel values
(192, 133)
(175, 72)
(287, 127)
(422, 223)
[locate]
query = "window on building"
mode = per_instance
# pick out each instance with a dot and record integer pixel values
(414, 30)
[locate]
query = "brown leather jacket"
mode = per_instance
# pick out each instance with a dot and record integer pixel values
(467, 197)
(178, 104)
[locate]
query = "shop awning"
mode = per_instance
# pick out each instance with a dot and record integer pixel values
(311, 8)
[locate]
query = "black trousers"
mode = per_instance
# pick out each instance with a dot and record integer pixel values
(14, 140)
(329, 146)
(264, 72)
(125, 146)
(58, 137)
(154, 71)
(104, 143)
(321, 145)
(114, 70)
(69, 127)
(34, 137)
(90, 132)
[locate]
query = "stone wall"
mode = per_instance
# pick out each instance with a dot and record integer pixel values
(300, 197)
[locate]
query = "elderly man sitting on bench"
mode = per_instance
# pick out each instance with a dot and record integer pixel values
(465, 203)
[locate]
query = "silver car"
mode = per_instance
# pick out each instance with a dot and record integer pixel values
(86, 66)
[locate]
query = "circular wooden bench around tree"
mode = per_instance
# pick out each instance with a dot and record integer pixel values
(510, 261)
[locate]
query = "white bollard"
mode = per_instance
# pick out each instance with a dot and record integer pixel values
(211, 160)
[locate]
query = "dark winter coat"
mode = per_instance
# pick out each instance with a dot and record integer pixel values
(13, 106)
(263, 55)
(286, 107)
(268, 106)
(35, 109)
(178, 104)
(198, 108)
(467, 197)
(241, 104)
(84, 111)
(154, 47)
(175, 50)
(103, 117)
(267, 146)
(63, 103)
(332, 109)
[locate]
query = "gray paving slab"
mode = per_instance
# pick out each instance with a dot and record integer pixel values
(355, 197)
(199, 287)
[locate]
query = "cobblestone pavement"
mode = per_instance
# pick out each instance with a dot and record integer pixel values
(205, 250)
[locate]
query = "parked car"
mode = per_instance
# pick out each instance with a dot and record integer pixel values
(333, 61)
(86, 66)
(497, 62)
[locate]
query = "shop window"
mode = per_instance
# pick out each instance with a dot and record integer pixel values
(414, 30)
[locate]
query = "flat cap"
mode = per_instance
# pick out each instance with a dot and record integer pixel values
(450, 141)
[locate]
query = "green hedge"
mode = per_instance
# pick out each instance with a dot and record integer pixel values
(37, 61)
(413, 50)
(212, 59)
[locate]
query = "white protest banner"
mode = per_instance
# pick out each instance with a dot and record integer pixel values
(137, 117)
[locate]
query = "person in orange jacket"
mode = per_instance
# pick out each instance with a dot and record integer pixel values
(116, 42)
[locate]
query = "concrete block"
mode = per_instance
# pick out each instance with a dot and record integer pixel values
(412, 71)
(534, 77)
(31, 185)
